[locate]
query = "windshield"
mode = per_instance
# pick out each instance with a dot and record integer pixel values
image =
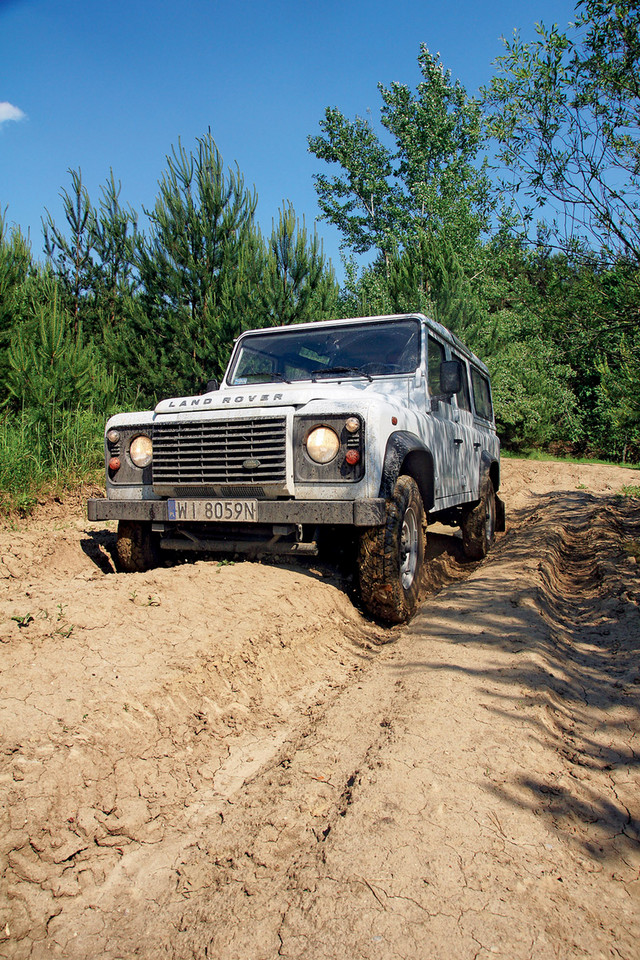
(355, 350)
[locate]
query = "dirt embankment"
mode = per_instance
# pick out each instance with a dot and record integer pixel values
(231, 761)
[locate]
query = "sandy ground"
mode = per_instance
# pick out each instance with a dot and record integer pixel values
(231, 761)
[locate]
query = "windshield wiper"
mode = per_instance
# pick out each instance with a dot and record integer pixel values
(266, 377)
(331, 370)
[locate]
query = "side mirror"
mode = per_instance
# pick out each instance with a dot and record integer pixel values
(212, 385)
(450, 377)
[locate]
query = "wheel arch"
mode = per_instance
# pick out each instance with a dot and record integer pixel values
(407, 454)
(490, 467)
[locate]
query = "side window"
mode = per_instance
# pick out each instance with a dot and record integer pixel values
(435, 358)
(464, 400)
(481, 395)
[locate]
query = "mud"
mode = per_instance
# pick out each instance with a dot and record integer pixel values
(230, 760)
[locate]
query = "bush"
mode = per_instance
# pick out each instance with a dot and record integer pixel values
(534, 404)
(34, 458)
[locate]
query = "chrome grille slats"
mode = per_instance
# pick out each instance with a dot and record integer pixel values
(214, 451)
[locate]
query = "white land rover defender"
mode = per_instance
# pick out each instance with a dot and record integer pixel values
(323, 432)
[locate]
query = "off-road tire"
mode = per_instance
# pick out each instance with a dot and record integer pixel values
(137, 548)
(479, 525)
(391, 557)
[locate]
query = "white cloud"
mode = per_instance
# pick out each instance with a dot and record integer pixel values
(9, 112)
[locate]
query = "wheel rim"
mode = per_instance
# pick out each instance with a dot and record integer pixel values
(409, 549)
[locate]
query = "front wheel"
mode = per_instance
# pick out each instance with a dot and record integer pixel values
(391, 557)
(137, 548)
(479, 525)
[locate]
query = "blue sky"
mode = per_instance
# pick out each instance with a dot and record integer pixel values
(113, 84)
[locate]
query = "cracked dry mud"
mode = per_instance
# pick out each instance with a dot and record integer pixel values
(230, 761)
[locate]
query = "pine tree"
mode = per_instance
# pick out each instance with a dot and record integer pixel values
(71, 257)
(50, 369)
(114, 231)
(298, 284)
(16, 269)
(191, 267)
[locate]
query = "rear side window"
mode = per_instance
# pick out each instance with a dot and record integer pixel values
(435, 358)
(481, 395)
(464, 401)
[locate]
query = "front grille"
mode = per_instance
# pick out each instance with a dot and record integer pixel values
(220, 451)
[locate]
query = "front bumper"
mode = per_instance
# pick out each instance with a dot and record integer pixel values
(357, 513)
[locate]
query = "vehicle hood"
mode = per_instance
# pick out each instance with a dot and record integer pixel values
(277, 395)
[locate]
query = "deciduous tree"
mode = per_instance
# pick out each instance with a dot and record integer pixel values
(564, 111)
(428, 179)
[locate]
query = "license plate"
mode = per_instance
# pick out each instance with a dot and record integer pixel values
(239, 511)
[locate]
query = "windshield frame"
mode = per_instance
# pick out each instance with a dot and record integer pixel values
(348, 351)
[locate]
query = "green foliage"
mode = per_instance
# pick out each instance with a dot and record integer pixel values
(94, 261)
(57, 395)
(365, 292)
(198, 268)
(71, 257)
(533, 376)
(618, 404)
(114, 234)
(32, 460)
(496, 316)
(582, 312)
(631, 490)
(49, 367)
(363, 200)
(533, 401)
(438, 134)
(298, 285)
(382, 198)
(429, 276)
(16, 271)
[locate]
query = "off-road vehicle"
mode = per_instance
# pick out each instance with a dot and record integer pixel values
(358, 430)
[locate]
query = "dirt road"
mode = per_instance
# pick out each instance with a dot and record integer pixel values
(230, 761)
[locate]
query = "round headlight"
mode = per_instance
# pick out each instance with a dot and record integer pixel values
(141, 450)
(322, 444)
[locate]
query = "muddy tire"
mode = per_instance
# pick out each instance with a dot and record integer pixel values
(137, 548)
(479, 525)
(391, 557)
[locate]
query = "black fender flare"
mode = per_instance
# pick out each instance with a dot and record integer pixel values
(406, 453)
